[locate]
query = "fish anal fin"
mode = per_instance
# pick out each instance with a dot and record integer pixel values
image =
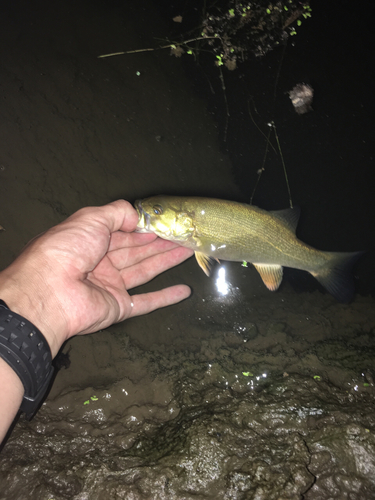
(270, 274)
(205, 262)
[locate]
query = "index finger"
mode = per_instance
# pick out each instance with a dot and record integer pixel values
(83, 239)
(118, 215)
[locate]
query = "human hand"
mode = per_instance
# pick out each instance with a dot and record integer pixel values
(74, 278)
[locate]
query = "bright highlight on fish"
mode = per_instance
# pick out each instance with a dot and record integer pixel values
(227, 230)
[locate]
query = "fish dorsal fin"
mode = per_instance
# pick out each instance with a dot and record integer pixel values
(270, 274)
(205, 262)
(290, 217)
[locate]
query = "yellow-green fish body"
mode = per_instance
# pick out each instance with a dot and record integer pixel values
(227, 230)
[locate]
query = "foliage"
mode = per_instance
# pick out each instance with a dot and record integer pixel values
(240, 29)
(234, 30)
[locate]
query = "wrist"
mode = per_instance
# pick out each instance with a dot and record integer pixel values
(33, 305)
(12, 392)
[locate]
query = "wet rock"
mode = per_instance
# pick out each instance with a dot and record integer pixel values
(233, 339)
(250, 331)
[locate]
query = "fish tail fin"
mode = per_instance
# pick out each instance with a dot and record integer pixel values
(336, 275)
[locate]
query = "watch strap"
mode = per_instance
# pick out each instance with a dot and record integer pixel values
(26, 350)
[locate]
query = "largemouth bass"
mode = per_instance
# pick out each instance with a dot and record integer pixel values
(227, 230)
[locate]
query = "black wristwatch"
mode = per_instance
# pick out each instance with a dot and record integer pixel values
(26, 350)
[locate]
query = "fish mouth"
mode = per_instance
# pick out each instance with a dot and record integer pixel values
(143, 225)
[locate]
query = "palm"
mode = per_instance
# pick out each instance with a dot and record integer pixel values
(132, 260)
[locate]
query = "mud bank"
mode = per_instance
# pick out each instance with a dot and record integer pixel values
(281, 406)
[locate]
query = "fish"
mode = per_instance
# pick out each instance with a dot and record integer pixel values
(227, 230)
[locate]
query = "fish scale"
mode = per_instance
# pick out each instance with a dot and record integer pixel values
(248, 233)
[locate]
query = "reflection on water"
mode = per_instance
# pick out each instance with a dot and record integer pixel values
(222, 284)
(225, 292)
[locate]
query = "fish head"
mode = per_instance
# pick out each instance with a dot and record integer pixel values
(166, 217)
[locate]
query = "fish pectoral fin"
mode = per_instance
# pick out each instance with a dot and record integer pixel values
(270, 274)
(204, 261)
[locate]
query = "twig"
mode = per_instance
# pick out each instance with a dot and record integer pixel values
(226, 103)
(282, 161)
(261, 170)
(169, 46)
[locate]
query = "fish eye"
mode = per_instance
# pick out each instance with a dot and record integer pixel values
(157, 209)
